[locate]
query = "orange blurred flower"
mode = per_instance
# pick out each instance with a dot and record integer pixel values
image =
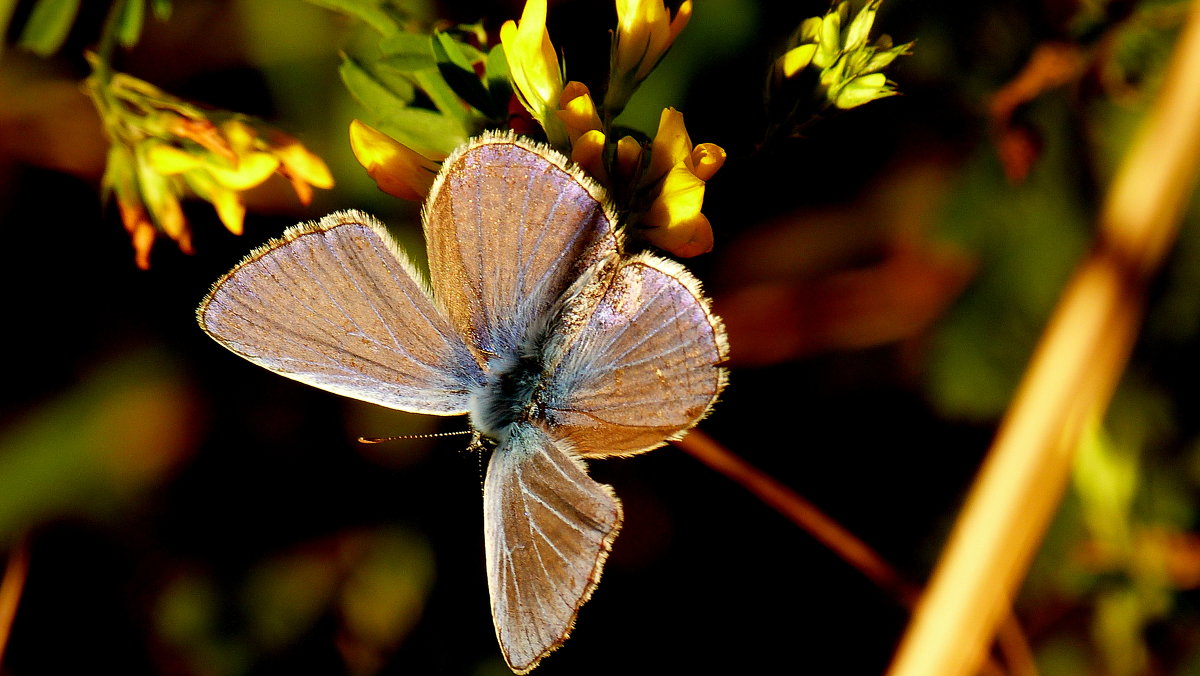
(164, 149)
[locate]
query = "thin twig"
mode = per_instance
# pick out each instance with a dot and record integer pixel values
(1068, 385)
(10, 591)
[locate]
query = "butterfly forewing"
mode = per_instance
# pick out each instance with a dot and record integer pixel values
(549, 528)
(639, 359)
(334, 305)
(509, 228)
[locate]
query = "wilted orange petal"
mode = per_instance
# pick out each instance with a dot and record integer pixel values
(169, 216)
(203, 132)
(132, 214)
(143, 241)
(397, 169)
(303, 191)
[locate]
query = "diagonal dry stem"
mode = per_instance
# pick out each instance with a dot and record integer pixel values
(1068, 384)
(10, 591)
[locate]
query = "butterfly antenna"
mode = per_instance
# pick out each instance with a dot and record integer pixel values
(435, 435)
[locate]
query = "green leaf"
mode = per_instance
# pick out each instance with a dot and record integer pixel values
(6, 11)
(448, 50)
(424, 129)
(444, 99)
(369, 90)
(370, 12)
(130, 16)
(407, 52)
(496, 76)
(412, 126)
(459, 74)
(48, 26)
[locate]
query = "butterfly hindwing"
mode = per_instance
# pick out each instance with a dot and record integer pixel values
(334, 304)
(548, 528)
(638, 361)
(510, 225)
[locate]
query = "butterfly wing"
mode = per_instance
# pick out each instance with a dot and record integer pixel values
(549, 528)
(510, 225)
(335, 304)
(640, 353)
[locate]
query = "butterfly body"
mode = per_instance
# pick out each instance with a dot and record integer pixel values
(533, 323)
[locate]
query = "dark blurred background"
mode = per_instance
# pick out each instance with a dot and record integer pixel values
(883, 280)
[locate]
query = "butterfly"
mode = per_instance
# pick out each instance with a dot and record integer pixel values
(534, 323)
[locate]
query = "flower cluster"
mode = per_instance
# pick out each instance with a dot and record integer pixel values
(659, 185)
(850, 68)
(164, 149)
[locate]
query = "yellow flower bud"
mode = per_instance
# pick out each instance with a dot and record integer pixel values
(629, 155)
(674, 220)
(588, 152)
(707, 158)
(797, 59)
(533, 67)
(397, 169)
(645, 30)
(577, 110)
(677, 176)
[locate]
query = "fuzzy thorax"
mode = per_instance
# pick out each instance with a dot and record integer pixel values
(506, 396)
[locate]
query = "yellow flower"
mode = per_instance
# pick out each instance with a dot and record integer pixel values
(588, 152)
(533, 67)
(226, 201)
(578, 111)
(797, 59)
(397, 169)
(250, 170)
(645, 31)
(164, 149)
(166, 159)
(629, 155)
(300, 165)
(677, 175)
(837, 46)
